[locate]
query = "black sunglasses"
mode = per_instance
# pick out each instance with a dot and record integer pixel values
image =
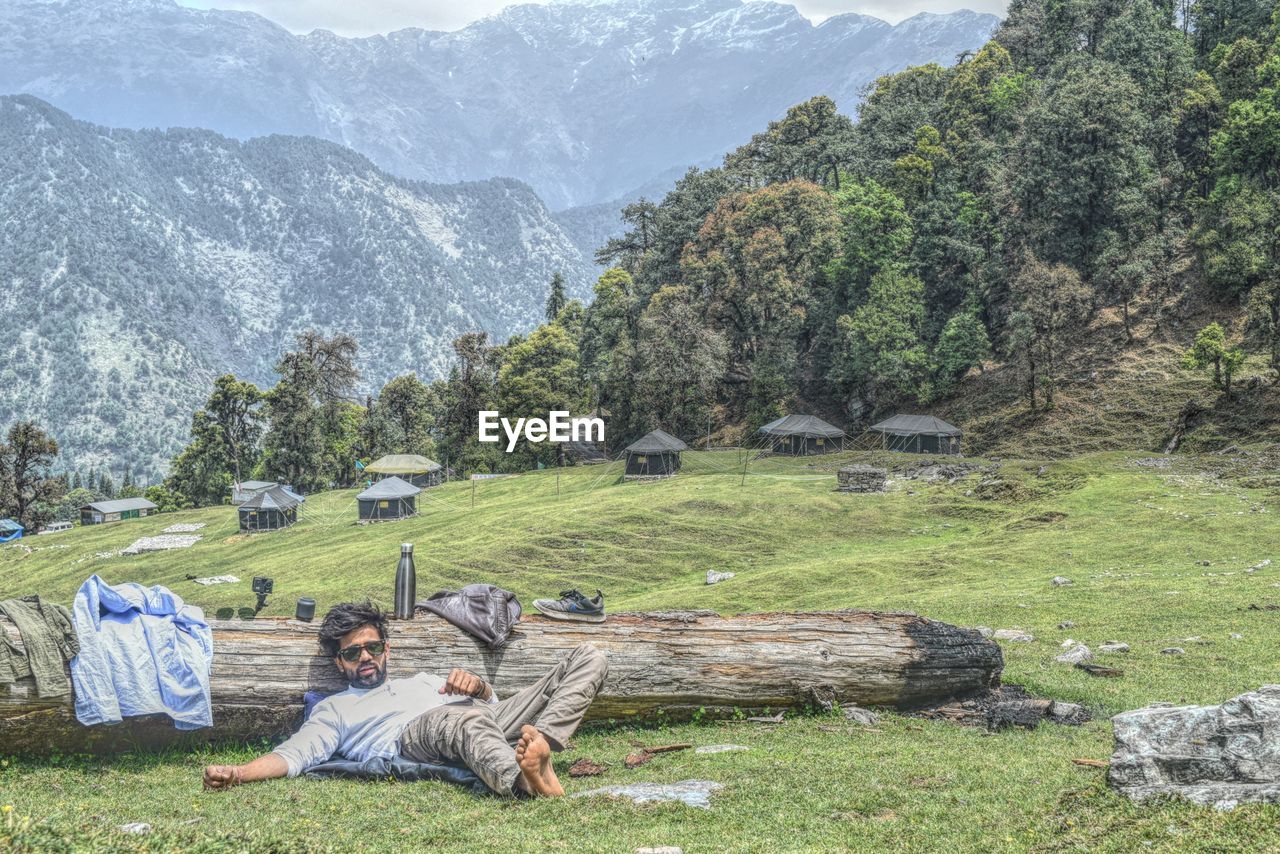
(352, 653)
(229, 613)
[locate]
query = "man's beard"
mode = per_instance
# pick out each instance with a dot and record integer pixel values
(373, 680)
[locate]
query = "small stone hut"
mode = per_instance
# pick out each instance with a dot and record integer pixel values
(861, 478)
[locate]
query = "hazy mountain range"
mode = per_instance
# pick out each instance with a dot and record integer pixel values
(137, 265)
(584, 101)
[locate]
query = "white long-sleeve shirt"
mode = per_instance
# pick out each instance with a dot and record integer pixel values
(364, 723)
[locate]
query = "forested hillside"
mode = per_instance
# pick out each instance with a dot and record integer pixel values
(139, 265)
(1098, 178)
(1066, 242)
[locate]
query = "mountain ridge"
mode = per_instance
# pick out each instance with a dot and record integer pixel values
(144, 263)
(583, 101)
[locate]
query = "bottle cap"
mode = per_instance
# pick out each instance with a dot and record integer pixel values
(406, 547)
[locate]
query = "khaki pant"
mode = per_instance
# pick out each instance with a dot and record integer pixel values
(482, 736)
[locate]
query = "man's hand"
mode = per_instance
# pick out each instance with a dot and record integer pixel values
(222, 776)
(462, 682)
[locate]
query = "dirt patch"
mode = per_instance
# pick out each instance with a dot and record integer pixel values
(702, 506)
(999, 489)
(1047, 518)
(970, 512)
(586, 768)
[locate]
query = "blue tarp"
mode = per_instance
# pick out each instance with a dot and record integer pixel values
(10, 531)
(142, 652)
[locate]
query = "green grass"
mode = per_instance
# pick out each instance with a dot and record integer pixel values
(1131, 537)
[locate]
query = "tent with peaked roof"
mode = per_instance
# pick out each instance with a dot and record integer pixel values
(414, 468)
(801, 435)
(919, 434)
(98, 512)
(269, 510)
(10, 531)
(389, 498)
(245, 489)
(656, 454)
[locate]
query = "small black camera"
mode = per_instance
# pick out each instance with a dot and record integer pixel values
(262, 586)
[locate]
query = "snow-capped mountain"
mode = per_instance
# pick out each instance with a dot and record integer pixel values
(138, 265)
(585, 101)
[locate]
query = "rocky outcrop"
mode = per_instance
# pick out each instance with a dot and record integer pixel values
(1213, 755)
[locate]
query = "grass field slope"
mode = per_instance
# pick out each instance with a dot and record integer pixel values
(1158, 549)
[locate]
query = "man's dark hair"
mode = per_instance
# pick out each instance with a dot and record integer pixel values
(346, 618)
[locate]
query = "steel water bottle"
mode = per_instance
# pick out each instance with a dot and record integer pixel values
(406, 583)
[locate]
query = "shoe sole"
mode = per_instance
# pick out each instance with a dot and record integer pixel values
(564, 615)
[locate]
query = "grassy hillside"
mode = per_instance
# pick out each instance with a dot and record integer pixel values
(1133, 533)
(1115, 393)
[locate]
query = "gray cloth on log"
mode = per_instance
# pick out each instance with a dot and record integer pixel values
(49, 641)
(481, 610)
(483, 736)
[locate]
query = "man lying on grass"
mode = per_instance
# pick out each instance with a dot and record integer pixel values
(506, 743)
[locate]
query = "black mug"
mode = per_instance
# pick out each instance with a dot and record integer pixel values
(306, 609)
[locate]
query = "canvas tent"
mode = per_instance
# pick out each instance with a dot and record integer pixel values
(243, 491)
(10, 531)
(269, 510)
(389, 498)
(413, 468)
(801, 435)
(114, 511)
(655, 455)
(919, 434)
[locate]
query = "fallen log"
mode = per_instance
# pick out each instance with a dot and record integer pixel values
(676, 662)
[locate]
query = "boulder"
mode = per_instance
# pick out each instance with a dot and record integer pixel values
(1212, 755)
(1077, 654)
(1061, 581)
(1013, 635)
(1114, 646)
(861, 716)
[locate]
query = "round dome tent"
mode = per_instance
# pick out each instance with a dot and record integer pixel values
(802, 435)
(413, 468)
(269, 510)
(919, 434)
(389, 498)
(656, 454)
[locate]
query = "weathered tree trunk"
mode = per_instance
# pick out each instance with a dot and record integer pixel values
(676, 661)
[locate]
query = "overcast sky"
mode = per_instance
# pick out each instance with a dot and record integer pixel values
(365, 17)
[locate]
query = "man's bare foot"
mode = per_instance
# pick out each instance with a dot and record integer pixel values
(533, 755)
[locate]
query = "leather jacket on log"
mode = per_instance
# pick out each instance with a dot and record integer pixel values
(481, 610)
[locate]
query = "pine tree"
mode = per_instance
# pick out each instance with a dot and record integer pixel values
(106, 485)
(556, 299)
